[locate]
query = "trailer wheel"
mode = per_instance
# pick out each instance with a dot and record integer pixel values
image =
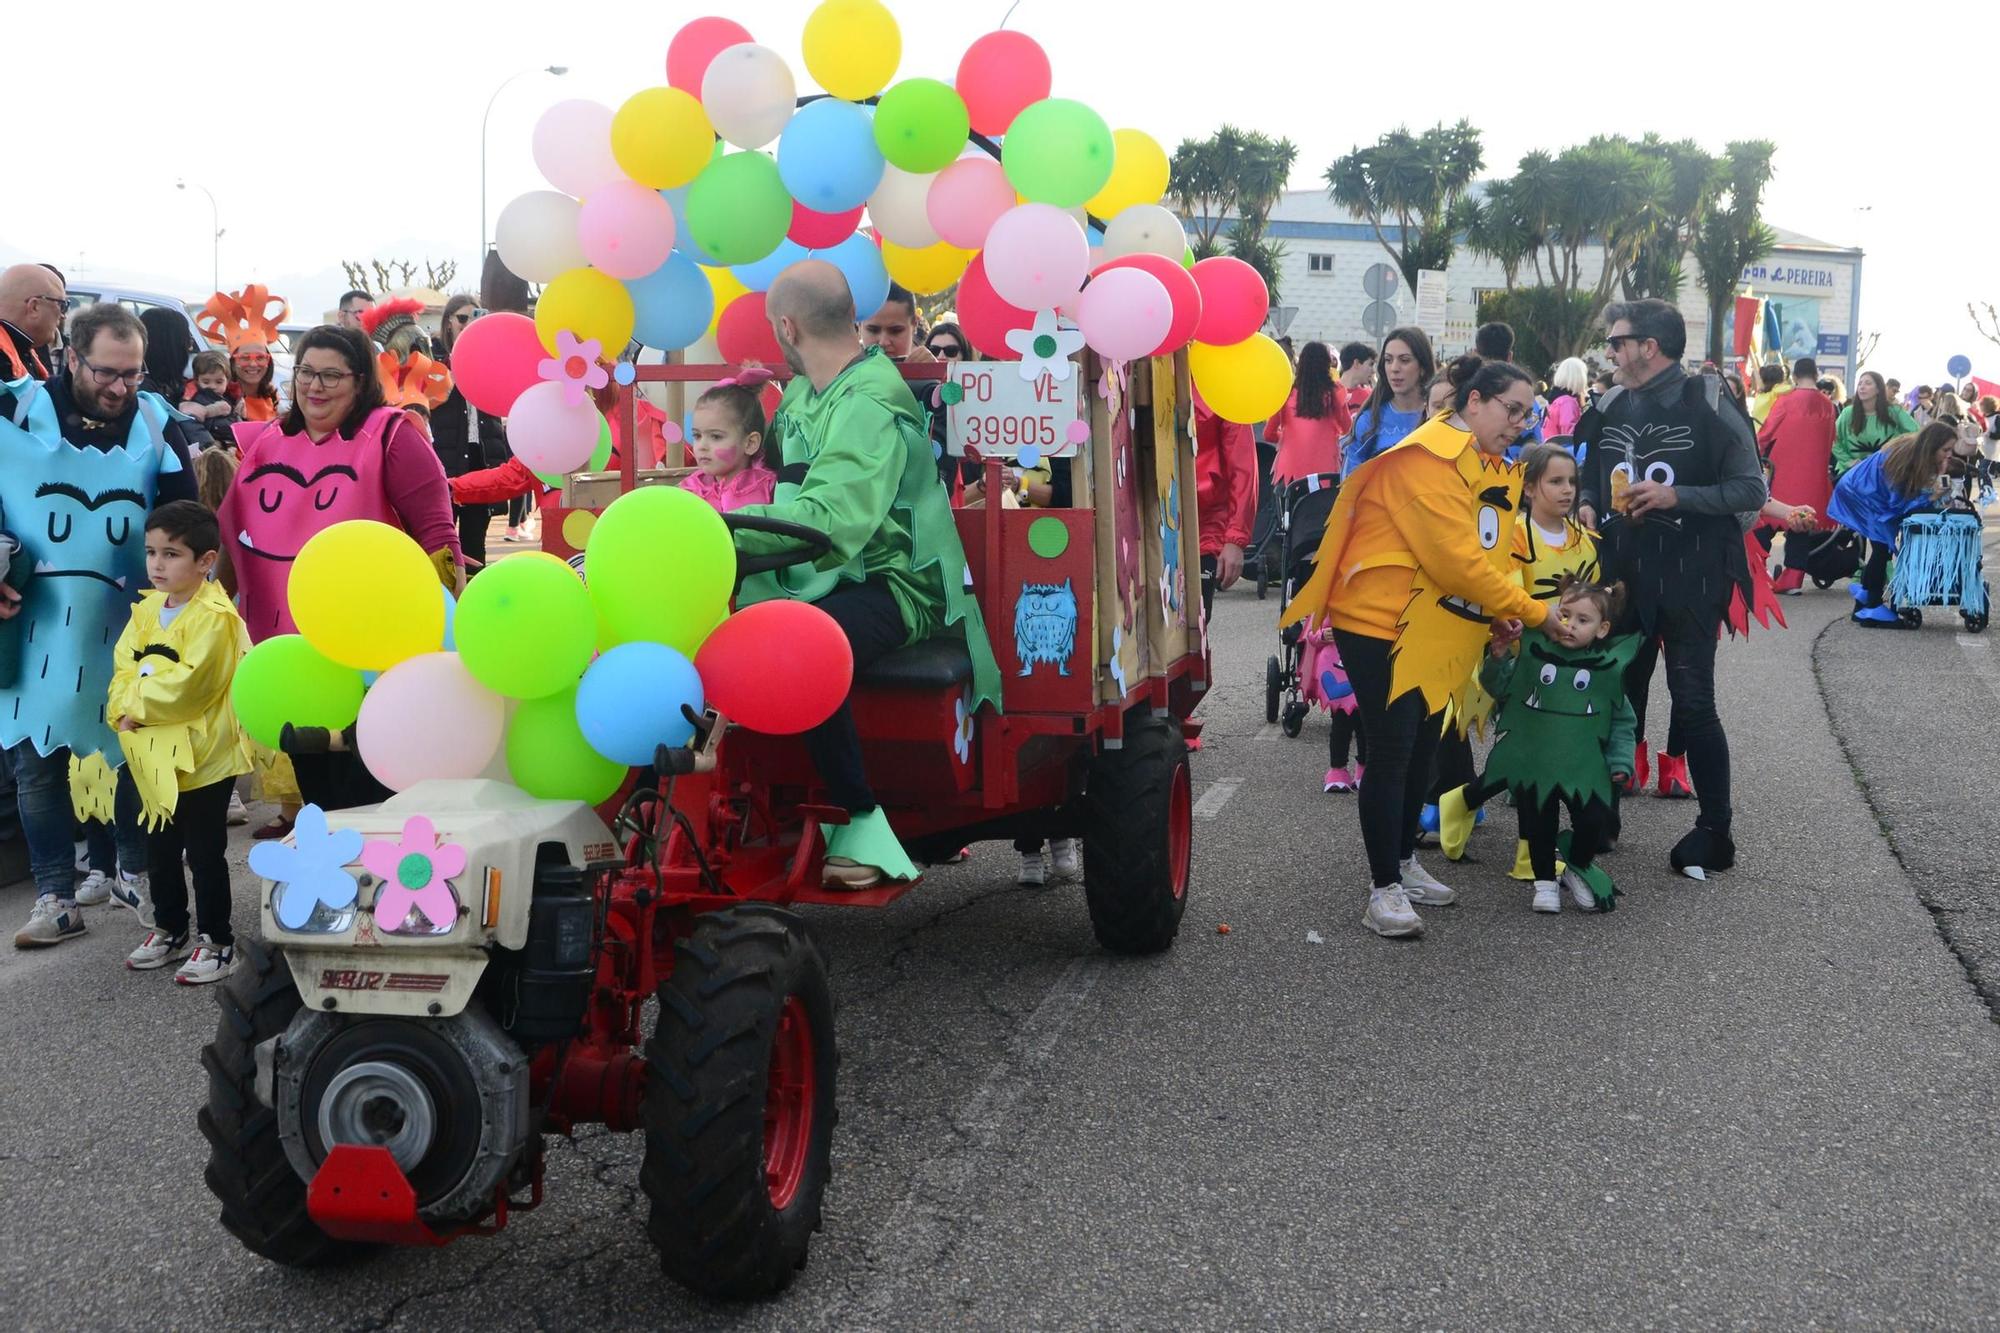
(739, 1104)
(263, 1198)
(1138, 843)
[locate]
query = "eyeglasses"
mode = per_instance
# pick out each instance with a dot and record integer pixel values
(467, 316)
(1516, 411)
(61, 303)
(253, 358)
(108, 377)
(1616, 338)
(946, 350)
(325, 379)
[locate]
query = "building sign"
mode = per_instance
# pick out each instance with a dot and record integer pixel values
(999, 413)
(1431, 301)
(1790, 275)
(1833, 344)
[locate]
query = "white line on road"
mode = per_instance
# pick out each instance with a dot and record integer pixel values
(1978, 659)
(1211, 802)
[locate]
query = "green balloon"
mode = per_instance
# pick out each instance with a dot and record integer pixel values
(660, 567)
(600, 458)
(1057, 152)
(549, 758)
(285, 679)
(525, 626)
(738, 209)
(921, 125)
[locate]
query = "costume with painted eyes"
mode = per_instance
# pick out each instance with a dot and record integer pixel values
(1558, 710)
(80, 516)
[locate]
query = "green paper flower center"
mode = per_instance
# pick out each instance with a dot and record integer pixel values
(414, 871)
(1045, 346)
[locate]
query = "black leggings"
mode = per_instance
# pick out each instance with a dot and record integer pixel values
(1342, 732)
(1875, 572)
(1402, 737)
(1589, 824)
(1454, 766)
(1687, 637)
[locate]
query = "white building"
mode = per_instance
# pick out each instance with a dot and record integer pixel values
(1329, 254)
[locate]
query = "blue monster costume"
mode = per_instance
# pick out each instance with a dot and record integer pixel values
(80, 516)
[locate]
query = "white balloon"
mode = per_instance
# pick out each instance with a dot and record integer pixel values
(1143, 229)
(748, 94)
(536, 236)
(572, 147)
(897, 208)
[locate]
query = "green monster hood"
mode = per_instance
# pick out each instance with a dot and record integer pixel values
(1555, 716)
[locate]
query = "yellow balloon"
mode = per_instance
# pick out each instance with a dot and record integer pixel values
(590, 305)
(727, 289)
(1244, 382)
(662, 138)
(366, 595)
(927, 270)
(1139, 174)
(852, 47)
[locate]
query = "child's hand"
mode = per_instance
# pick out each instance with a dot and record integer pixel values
(127, 724)
(1619, 777)
(1801, 519)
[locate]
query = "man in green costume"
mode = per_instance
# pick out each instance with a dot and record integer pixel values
(855, 457)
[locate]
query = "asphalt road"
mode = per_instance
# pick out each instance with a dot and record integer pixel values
(1763, 1101)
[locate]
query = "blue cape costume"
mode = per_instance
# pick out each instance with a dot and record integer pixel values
(1864, 500)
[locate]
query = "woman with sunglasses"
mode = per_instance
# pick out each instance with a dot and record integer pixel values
(256, 381)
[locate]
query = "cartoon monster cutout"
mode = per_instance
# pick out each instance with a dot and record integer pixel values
(1045, 626)
(80, 515)
(1444, 634)
(1555, 717)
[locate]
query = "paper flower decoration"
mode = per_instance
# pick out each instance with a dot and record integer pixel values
(414, 872)
(415, 382)
(961, 737)
(1117, 665)
(575, 367)
(310, 870)
(243, 319)
(1045, 347)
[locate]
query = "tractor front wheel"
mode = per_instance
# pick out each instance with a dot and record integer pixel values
(739, 1104)
(1138, 844)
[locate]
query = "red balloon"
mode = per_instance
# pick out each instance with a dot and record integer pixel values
(776, 667)
(744, 332)
(1234, 300)
(1181, 290)
(1000, 74)
(495, 360)
(986, 318)
(695, 45)
(818, 231)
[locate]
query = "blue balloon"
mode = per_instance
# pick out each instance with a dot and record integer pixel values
(672, 305)
(859, 260)
(677, 199)
(827, 156)
(1959, 367)
(629, 701)
(759, 276)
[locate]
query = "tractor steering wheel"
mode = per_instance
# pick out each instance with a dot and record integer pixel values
(814, 543)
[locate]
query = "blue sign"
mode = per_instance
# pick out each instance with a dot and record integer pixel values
(1833, 344)
(1959, 367)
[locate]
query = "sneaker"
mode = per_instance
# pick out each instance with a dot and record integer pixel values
(207, 963)
(50, 921)
(156, 950)
(1579, 890)
(1389, 913)
(239, 814)
(1548, 897)
(1422, 887)
(129, 892)
(511, 535)
(1674, 783)
(1065, 862)
(847, 875)
(95, 891)
(83, 858)
(1034, 870)
(1340, 779)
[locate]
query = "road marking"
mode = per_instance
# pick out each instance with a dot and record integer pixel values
(1211, 802)
(1971, 641)
(1978, 659)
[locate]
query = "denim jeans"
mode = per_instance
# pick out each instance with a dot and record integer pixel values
(121, 845)
(42, 788)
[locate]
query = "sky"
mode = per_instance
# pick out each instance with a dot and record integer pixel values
(353, 131)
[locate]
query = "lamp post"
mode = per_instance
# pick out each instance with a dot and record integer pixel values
(215, 241)
(558, 71)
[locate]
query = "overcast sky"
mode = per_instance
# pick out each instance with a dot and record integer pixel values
(351, 130)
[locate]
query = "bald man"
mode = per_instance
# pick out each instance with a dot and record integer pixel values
(856, 462)
(32, 301)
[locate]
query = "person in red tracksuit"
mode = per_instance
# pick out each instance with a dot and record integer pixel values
(1797, 440)
(1225, 470)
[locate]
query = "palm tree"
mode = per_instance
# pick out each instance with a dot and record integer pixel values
(1733, 234)
(1421, 183)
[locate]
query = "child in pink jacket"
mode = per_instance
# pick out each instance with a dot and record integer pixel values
(728, 444)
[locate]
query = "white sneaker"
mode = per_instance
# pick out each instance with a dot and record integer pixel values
(82, 858)
(1389, 913)
(130, 892)
(1034, 870)
(50, 921)
(207, 963)
(156, 950)
(1548, 896)
(1579, 892)
(1064, 859)
(239, 814)
(95, 891)
(1422, 888)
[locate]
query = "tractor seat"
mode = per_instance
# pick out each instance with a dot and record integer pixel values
(934, 664)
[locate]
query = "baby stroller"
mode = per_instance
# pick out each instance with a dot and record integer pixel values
(1832, 556)
(1939, 563)
(1304, 508)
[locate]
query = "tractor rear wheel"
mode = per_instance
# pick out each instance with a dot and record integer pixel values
(1138, 843)
(739, 1104)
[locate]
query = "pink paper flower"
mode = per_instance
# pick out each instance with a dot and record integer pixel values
(575, 367)
(413, 872)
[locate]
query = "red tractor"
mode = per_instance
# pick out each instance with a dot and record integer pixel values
(371, 1084)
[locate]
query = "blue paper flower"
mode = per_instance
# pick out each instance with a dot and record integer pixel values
(310, 869)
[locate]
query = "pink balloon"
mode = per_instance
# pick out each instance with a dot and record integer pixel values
(1124, 313)
(966, 199)
(572, 147)
(626, 230)
(821, 231)
(549, 433)
(1000, 74)
(428, 718)
(1234, 301)
(1037, 257)
(697, 43)
(1180, 288)
(495, 359)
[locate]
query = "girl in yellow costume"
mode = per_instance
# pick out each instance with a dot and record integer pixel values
(1406, 577)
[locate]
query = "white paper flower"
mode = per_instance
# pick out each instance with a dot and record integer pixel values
(1117, 666)
(1045, 348)
(961, 740)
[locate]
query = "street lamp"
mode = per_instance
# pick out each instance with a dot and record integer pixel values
(558, 71)
(215, 241)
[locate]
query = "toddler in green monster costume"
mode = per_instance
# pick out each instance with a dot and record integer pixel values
(854, 457)
(1566, 733)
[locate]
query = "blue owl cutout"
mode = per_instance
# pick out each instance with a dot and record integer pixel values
(312, 889)
(1045, 626)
